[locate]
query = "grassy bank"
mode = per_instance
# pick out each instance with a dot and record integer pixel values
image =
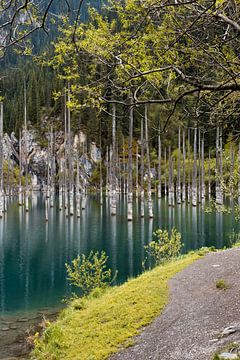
(95, 327)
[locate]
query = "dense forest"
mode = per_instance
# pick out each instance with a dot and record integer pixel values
(180, 60)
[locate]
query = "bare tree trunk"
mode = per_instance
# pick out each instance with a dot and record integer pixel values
(194, 178)
(60, 195)
(130, 167)
(142, 168)
(137, 170)
(239, 174)
(165, 177)
(20, 199)
(78, 190)
(159, 167)
(51, 169)
(113, 205)
(199, 181)
(184, 170)
(26, 149)
(150, 205)
(170, 180)
(179, 200)
(219, 195)
(203, 172)
(101, 179)
(209, 175)
(1, 162)
(70, 159)
(189, 190)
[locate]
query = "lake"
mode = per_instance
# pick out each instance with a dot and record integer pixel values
(33, 253)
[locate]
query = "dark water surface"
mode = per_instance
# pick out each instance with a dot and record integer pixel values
(33, 253)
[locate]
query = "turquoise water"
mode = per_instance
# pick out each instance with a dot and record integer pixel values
(33, 253)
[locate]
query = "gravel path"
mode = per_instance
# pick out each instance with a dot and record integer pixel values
(198, 312)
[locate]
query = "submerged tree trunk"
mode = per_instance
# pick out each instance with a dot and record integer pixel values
(130, 166)
(179, 200)
(189, 189)
(113, 183)
(26, 150)
(70, 159)
(150, 205)
(165, 177)
(194, 178)
(142, 168)
(184, 170)
(159, 167)
(1, 162)
(137, 170)
(20, 199)
(203, 172)
(209, 174)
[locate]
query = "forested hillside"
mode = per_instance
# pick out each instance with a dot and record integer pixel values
(182, 61)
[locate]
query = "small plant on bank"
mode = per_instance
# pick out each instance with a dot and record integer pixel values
(166, 246)
(221, 284)
(90, 272)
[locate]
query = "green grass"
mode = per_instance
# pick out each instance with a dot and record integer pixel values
(221, 284)
(95, 327)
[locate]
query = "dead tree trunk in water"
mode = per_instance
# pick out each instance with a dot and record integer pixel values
(20, 199)
(189, 190)
(150, 206)
(159, 167)
(26, 150)
(184, 170)
(130, 167)
(203, 172)
(142, 168)
(194, 178)
(70, 159)
(179, 200)
(113, 182)
(1, 162)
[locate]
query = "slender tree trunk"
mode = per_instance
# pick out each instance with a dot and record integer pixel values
(203, 171)
(26, 150)
(137, 170)
(130, 166)
(1, 162)
(209, 174)
(199, 186)
(231, 181)
(20, 199)
(239, 174)
(113, 204)
(101, 179)
(179, 200)
(150, 205)
(51, 169)
(165, 177)
(78, 190)
(189, 189)
(142, 168)
(194, 178)
(159, 167)
(70, 160)
(184, 170)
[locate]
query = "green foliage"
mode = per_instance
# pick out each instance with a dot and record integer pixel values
(89, 272)
(166, 246)
(221, 284)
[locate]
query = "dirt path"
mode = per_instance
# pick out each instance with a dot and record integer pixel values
(198, 312)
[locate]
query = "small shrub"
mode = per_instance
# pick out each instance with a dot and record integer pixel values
(165, 247)
(221, 284)
(90, 272)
